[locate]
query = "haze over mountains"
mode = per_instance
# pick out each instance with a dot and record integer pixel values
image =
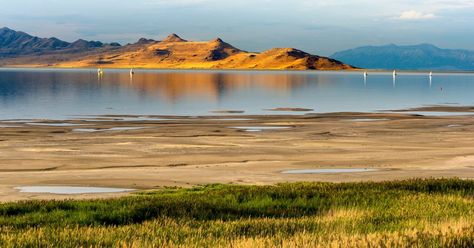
(417, 57)
(21, 49)
(14, 43)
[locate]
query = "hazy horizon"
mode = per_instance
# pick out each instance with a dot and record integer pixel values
(320, 27)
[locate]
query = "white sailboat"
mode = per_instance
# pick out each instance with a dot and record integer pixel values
(394, 73)
(131, 72)
(431, 78)
(365, 78)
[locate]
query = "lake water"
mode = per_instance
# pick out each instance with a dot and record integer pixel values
(64, 94)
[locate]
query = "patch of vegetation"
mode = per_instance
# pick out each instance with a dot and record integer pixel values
(420, 213)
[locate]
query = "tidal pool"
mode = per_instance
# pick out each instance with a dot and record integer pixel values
(324, 171)
(69, 190)
(54, 124)
(126, 118)
(369, 119)
(229, 119)
(91, 130)
(259, 128)
(7, 126)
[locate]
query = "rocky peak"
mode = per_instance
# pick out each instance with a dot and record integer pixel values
(173, 38)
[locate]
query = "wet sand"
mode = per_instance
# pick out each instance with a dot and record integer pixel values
(150, 152)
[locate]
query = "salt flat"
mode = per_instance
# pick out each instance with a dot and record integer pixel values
(192, 151)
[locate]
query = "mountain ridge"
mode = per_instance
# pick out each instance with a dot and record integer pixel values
(19, 49)
(14, 43)
(423, 56)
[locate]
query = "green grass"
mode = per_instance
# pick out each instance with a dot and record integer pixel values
(433, 213)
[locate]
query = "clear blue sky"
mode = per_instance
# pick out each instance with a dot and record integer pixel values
(317, 26)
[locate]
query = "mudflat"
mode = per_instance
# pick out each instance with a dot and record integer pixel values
(150, 152)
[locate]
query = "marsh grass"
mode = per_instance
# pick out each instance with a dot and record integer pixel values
(413, 213)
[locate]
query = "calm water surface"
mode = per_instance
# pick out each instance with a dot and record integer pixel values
(62, 94)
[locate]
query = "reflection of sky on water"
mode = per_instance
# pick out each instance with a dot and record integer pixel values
(57, 94)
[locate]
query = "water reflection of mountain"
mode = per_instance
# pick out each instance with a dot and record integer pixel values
(56, 94)
(170, 86)
(175, 85)
(17, 84)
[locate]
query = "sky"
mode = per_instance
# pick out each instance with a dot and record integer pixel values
(317, 26)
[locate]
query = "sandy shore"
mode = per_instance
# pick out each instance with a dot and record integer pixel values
(154, 151)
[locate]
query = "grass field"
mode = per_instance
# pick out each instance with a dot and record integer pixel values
(414, 213)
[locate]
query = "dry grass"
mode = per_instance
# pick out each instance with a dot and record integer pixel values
(416, 213)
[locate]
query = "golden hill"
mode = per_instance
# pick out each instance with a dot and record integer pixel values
(177, 53)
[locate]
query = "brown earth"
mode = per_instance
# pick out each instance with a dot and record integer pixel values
(184, 151)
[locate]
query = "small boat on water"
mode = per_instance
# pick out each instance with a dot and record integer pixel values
(394, 73)
(131, 72)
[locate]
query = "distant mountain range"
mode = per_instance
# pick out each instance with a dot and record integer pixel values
(18, 49)
(14, 43)
(417, 57)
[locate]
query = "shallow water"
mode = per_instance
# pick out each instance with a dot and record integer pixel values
(229, 119)
(325, 171)
(369, 120)
(54, 124)
(69, 190)
(259, 128)
(91, 130)
(63, 93)
(8, 126)
(130, 118)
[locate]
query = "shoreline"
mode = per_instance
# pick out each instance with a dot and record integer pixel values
(381, 71)
(435, 110)
(184, 152)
